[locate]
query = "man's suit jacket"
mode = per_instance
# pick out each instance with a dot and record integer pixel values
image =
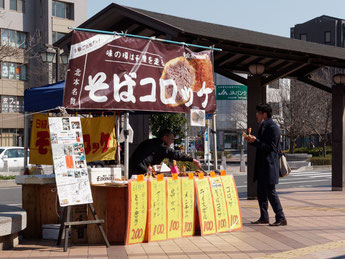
(267, 153)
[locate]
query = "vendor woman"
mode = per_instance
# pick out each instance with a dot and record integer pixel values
(153, 151)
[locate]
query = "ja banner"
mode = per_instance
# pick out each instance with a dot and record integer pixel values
(110, 72)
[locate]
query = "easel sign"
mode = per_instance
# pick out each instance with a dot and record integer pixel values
(188, 204)
(157, 213)
(174, 207)
(206, 210)
(137, 211)
(233, 205)
(72, 179)
(219, 204)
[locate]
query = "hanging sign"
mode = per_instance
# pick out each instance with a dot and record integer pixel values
(174, 207)
(233, 205)
(205, 207)
(137, 212)
(98, 136)
(157, 212)
(71, 175)
(231, 92)
(222, 220)
(188, 205)
(110, 72)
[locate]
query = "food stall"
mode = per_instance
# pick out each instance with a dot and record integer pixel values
(120, 73)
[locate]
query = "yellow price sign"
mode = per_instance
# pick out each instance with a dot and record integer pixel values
(174, 208)
(157, 223)
(188, 205)
(205, 207)
(137, 212)
(233, 205)
(222, 219)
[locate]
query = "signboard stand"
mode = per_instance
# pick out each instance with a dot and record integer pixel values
(66, 225)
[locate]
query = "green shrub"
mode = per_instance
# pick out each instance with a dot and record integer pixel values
(9, 177)
(321, 160)
(315, 152)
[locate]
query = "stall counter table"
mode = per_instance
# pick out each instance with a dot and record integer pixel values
(39, 198)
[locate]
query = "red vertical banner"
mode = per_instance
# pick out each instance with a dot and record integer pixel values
(232, 201)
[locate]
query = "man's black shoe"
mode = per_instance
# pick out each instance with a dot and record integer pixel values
(282, 222)
(260, 222)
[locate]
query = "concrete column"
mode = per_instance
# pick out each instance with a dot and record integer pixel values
(256, 95)
(338, 137)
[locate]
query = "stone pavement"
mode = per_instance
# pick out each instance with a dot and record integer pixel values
(316, 229)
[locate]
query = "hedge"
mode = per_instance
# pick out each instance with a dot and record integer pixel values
(321, 160)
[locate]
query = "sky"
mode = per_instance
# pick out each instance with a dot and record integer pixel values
(268, 16)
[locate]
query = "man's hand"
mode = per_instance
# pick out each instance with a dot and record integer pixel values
(196, 163)
(250, 138)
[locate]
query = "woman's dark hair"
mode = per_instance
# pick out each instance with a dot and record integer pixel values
(264, 107)
(164, 132)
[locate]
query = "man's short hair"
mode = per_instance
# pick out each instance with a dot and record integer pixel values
(264, 107)
(164, 132)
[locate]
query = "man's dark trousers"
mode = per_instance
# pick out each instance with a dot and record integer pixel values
(267, 192)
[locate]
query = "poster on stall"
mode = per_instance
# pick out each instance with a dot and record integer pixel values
(174, 207)
(137, 212)
(188, 206)
(71, 175)
(206, 210)
(233, 205)
(222, 220)
(157, 212)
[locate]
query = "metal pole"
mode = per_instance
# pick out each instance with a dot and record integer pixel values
(214, 132)
(126, 162)
(26, 139)
(242, 162)
(57, 75)
(144, 37)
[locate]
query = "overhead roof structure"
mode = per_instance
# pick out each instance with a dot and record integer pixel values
(282, 57)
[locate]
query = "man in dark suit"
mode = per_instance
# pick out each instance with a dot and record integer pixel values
(267, 165)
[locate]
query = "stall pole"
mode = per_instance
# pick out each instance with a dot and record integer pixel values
(126, 162)
(214, 132)
(26, 139)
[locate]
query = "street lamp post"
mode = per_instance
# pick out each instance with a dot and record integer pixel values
(49, 54)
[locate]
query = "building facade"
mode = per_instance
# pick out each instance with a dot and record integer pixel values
(26, 27)
(323, 30)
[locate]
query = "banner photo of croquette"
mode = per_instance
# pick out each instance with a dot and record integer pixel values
(197, 117)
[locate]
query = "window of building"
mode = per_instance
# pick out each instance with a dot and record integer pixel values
(2, 4)
(327, 37)
(17, 5)
(13, 71)
(303, 36)
(62, 10)
(16, 39)
(57, 35)
(12, 103)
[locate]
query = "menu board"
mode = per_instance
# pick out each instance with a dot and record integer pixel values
(72, 180)
(174, 207)
(188, 205)
(222, 220)
(205, 207)
(137, 212)
(233, 205)
(157, 214)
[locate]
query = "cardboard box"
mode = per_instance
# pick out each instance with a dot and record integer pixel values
(104, 175)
